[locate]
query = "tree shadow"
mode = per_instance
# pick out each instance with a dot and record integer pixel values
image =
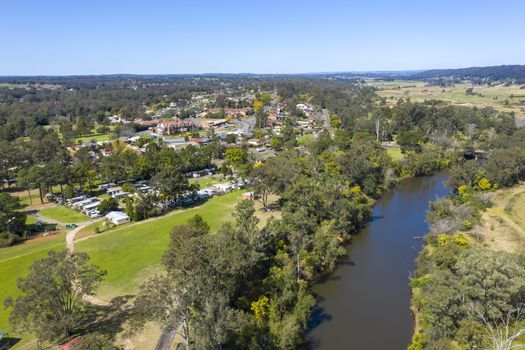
(376, 218)
(8, 343)
(107, 319)
(318, 317)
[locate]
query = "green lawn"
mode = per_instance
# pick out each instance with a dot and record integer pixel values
(63, 214)
(133, 253)
(15, 262)
(208, 181)
(129, 254)
(395, 154)
(93, 137)
(31, 220)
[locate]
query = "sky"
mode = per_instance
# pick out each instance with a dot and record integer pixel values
(70, 37)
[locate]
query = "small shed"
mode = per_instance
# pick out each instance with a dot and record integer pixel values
(117, 217)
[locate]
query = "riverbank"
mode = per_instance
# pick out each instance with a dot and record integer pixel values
(467, 276)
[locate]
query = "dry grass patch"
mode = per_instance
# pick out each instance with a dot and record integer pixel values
(503, 225)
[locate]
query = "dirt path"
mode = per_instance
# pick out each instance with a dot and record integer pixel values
(70, 236)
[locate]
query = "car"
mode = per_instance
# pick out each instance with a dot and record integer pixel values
(71, 226)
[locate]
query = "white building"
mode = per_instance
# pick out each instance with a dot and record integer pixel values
(117, 217)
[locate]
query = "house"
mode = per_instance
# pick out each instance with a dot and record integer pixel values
(254, 142)
(76, 199)
(247, 195)
(223, 188)
(82, 203)
(106, 152)
(113, 191)
(117, 217)
(176, 126)
(89, 207)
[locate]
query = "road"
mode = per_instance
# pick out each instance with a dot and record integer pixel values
(70, 236)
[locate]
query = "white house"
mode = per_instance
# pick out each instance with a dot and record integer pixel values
(82, 203)
(117, 217)
(90, 206)
(223, 188)
(113, 191)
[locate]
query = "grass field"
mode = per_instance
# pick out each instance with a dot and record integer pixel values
(395, 154)
(207, 181)
(15, 262)
(63, 214)
(130, 254)
(504, 98)
(503, 224)
(133, 253)
(93, 137)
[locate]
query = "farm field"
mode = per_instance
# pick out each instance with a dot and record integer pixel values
(63, 214)
(503, 98)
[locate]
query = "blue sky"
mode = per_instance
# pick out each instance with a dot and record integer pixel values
(55, 37)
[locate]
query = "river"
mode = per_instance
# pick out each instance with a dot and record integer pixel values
(365, 303)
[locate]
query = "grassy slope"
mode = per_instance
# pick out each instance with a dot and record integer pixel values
(129, 254)
(132, 253)
(395, 154)
(503, 225)
(63, 214)
(15, 262)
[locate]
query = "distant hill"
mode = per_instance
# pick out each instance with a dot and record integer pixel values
(509, 72)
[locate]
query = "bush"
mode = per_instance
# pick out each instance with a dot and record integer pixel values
(102, 130)
(8, 239)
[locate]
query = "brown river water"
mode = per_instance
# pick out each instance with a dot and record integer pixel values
(365, 303)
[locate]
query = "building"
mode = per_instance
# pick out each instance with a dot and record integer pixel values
(175, 126)
(223, 188)
(117, 217)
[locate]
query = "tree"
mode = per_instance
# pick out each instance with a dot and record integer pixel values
(171, 183)
(107, 205)
(51, 304)
(11, 220)
(230, 138)
(202, 273)
(262, 180)
(237, 158)
(504, 331)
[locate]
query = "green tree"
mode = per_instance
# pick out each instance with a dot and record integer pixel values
(107, 205)
(171, 183)
(51, 301)
(12, 221)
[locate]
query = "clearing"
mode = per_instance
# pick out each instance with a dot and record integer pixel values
(503, 225)
(62, 214)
